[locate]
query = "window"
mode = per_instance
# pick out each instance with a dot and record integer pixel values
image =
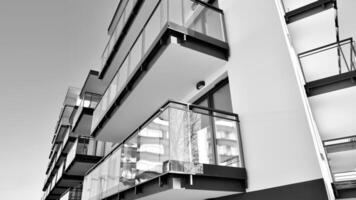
(218, 97)
(222, 140)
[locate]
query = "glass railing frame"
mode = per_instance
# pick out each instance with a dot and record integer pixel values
(342, 60)
(189, 108)
(168, 25)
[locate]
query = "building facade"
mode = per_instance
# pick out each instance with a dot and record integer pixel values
(214, 99)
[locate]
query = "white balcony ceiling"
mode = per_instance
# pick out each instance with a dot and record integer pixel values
(335, 113)
(187, 194)
(173, 75)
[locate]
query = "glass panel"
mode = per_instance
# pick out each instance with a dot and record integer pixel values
(164, 12)
(91, 147)
(122, 75)
(191, 11)
(204, 103)
(100, 148)
(113, 177)
(104, 102)
(175, 12)
(203, 19)
(128, 9)
(180, 141)
(202, 139)
(228, 153)
(213, 24)
(222, 99)
(153, 148)
(128, 163)
(152, 29)
(113, 89)
(135, 55)
(71, 154)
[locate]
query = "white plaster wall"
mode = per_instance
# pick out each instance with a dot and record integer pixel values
(277, 142)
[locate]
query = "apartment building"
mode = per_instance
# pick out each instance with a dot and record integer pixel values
(214, 99)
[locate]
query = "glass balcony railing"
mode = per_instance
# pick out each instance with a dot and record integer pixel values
(341, 156)
(178, 138)
(89, 100)
(60, 172)
(72, 194)
(195, 16)
(71, 101)
(329, 60)
(125, 15)
(66, 138)
(88, 147)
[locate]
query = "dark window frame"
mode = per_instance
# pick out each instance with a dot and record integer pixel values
(209, 95)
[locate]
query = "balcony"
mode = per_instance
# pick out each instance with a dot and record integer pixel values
(59, 157)
(153, 68)
(329, 68)
(296, 10)
(182, 151)
(65, 118)
(83, 117)
(72, 194)
(84, 153)
(77, 159)
(341, 154)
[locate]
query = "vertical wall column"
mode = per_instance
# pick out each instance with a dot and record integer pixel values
(277, 139)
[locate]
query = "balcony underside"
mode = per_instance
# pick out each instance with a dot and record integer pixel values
(334, 113)
(345, 189)
(224, 181)
(176, 63)
(93, 84)
(58, 191)
(63, 184)
(82, 125)
(81, 164)
(308, 10)
(330, 84)
(53, 197)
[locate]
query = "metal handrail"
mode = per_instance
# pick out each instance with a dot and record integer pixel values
(350, 66)
(324, 48)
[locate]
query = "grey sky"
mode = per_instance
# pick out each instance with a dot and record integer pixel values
(45, 46)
